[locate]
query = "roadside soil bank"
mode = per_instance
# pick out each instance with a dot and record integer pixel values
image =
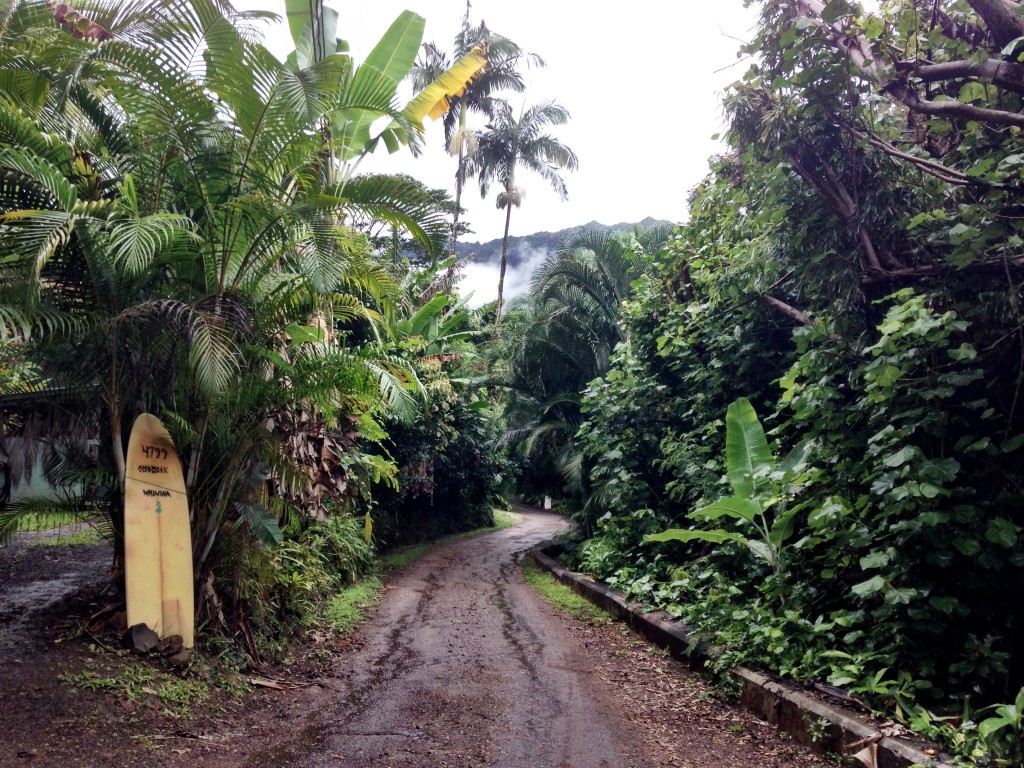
(461, 664)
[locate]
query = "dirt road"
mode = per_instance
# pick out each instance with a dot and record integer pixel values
(465, 665)
(461, 665)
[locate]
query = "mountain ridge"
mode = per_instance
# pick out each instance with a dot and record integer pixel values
(521, 247)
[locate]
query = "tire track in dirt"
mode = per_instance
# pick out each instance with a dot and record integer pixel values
(462, 665)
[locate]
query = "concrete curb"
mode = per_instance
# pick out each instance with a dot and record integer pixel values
(814, 723)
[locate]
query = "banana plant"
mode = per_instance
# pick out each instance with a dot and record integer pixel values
(439, 323)
(763, 491)
(314, 32)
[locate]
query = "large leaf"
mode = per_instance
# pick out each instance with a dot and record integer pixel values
(417, 324)
(746, 449)
(796, 460)
(680, 534)
(386, 66)
(396, 52)
(433, 100)
(783, 527)
(731, 506)
(315, 35)
(262, 522)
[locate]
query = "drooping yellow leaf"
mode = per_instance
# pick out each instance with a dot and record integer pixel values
(433, 100)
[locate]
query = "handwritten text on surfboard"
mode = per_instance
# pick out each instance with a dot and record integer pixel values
(157, 453)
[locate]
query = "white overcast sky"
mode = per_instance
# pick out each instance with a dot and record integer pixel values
(642, 81)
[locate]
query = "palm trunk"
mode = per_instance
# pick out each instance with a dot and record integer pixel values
(459, 173)
(116, 442)
(120, 467)
(501, 273)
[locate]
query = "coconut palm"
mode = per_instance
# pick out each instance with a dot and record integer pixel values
(510, 143)
(504, 58)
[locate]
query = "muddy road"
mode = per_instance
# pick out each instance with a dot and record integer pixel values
(461, 665)
(464, 665)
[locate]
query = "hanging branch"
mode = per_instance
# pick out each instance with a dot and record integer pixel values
(858, 50)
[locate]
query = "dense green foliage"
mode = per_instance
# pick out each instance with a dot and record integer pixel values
(557, 338)
(181, 234)
(797, 422)
(851, 271)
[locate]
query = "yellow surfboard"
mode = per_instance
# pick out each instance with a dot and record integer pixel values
(157, 537)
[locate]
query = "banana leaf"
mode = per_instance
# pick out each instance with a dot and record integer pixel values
(748, 459)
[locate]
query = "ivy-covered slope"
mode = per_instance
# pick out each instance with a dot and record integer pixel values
(854, 267)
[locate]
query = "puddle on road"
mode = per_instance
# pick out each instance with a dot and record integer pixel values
(33, 580)
(22, 603)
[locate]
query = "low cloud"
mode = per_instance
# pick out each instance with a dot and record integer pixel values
(481, 279)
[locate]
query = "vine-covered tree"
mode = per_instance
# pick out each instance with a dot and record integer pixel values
(852, 267)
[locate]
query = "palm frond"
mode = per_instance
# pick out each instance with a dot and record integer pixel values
(398, 201)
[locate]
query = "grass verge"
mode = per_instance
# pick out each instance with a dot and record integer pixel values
(81, 536)
(142, 684)
(346, 610)
(35, 522)
(561, 596)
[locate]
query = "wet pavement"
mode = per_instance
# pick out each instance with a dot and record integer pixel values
(33, 579)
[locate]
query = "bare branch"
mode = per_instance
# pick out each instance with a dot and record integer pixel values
(786, 309)
(931, 167)
(951, 108)
(986, 266)
(1003, 74)
(858, 51)
(938, 170)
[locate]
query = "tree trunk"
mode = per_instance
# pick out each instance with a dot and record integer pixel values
(1002, 19)
(501, 273)
(459, 173)
(786, 309)
(116, 442)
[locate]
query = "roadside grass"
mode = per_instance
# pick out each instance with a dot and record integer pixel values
(35, 522)
(172, 696)
(561, 596)
(81, 536)
(503, 519)
(45, 522)
(346, 610)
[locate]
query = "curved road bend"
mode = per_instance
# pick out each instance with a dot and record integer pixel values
(464, 665)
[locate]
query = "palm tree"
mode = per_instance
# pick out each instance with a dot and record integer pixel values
(504, 58)
(561, 336)
(167, 231)
(590, 275)
(509, 143)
